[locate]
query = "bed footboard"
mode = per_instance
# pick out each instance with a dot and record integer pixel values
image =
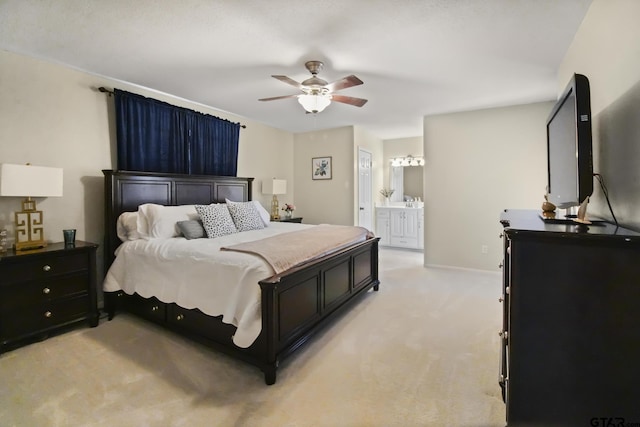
(296, 305)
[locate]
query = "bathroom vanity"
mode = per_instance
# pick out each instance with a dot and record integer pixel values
(400, 226)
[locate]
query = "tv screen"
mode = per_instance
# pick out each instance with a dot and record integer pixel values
(569, 156)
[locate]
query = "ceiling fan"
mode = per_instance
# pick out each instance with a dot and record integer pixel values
(317, 93)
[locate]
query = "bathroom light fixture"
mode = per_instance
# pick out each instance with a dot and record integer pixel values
(407, 161)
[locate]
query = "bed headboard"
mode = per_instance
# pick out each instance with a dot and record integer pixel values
(124, 191)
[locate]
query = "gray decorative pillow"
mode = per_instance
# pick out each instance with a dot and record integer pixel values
(192, 229)
(245, 215)
(216, 220)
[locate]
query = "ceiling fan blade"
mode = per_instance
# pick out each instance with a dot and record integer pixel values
(356, 102)
(288, 81)
(344, 83)
(278, 97)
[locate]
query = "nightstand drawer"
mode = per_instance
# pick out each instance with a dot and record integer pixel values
(43, 267)
(39, 291)
(37, 318)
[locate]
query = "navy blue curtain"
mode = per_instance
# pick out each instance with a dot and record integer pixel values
(213, 145)
(154, 136)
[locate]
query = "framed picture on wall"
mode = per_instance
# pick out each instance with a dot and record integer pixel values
(321, 167)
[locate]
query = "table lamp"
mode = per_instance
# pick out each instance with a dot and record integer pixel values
(29, 181)
(275, 187)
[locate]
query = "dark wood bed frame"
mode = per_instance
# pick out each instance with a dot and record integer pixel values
(295, 304)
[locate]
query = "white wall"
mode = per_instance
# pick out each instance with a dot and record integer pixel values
(606, 49)
(478, 163)
(333, 201)
(52, 115)
(327, 201)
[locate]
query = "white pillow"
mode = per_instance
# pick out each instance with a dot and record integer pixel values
(159, 222)
(264, 214)
(216, 220)
(127, 226)
(245, 215)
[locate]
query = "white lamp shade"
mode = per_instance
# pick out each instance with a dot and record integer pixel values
(30, 181)
(314, 103)
(274, 186)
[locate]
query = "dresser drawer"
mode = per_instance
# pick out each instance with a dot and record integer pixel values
(405, 242)
(39, 291)
(37, 318)
(43, 267)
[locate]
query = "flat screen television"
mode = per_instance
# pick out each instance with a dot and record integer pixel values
(569, 152)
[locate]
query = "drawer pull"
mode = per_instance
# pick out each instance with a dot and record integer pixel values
(46, 268)
(154, 308)
(46, 290)
(179, 317)
(47, 314)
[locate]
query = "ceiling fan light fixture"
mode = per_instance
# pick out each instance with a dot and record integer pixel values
(314, 103)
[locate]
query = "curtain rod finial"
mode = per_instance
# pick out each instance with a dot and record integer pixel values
(105, 90)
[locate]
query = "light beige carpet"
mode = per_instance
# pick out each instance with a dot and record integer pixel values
(421, 352)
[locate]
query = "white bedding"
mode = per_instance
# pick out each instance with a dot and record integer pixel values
(191, 272)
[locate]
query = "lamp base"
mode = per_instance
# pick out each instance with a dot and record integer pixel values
(30, 245)
(275, 206)
(29, 227)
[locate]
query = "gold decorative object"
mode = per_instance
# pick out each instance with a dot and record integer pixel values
(29, 181)
(548, 208)
(274, 186)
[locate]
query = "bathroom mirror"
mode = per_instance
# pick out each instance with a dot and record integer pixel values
(407, 181)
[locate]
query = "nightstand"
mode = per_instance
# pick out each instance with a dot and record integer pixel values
(294, 219)
(46, 290)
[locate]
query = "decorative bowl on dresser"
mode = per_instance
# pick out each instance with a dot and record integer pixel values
(46, 290)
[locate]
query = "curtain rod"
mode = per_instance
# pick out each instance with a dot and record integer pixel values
(110, 92)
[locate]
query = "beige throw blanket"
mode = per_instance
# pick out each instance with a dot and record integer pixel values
(288, 250)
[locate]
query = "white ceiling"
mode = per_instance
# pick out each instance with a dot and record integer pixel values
(416, 57)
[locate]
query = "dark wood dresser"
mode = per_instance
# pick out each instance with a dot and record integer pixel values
(571, 334)
(46, 290)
